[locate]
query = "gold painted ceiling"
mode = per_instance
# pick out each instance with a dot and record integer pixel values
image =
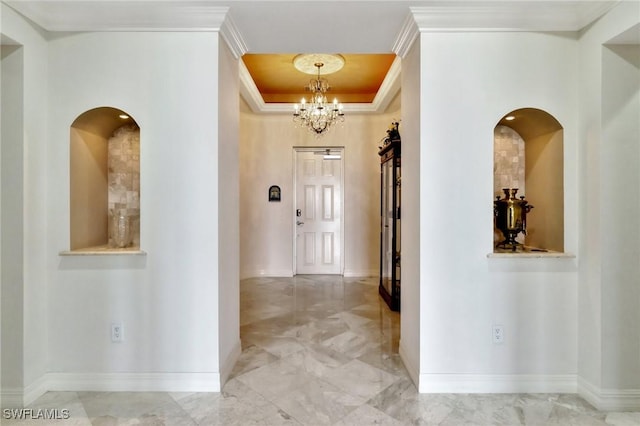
(278, 81)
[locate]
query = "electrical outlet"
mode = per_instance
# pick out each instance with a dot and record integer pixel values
(497, 333)
(117, 332)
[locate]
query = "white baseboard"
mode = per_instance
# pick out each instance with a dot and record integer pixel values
(134, 382)
(406, 360)
(360, 273)
(227, 364)
(119, 382)
(609, 399)
(497, 383)
(35, 390)
(278, 273)
(287, 273)
(11, 398)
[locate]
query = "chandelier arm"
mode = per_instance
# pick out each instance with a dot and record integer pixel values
(315, 115)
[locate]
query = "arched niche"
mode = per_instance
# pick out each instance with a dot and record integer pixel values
(528, 155)
(104, 151)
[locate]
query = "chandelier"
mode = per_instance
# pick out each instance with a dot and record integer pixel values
(318, 115)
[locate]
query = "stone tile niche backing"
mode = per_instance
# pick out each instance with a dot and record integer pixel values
(508, 160)
(508, 167)
(124, 179)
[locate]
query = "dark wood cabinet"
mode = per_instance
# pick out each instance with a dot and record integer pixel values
(389, 287)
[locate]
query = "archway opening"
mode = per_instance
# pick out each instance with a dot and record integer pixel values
(104, 180)
(528, 155)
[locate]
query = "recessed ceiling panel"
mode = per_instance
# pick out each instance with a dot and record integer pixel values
(278, 81)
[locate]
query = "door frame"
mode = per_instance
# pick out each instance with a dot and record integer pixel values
(296, 150)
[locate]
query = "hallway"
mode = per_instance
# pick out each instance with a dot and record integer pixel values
(320, 350)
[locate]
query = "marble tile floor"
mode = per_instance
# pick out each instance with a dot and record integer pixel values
(319, 350)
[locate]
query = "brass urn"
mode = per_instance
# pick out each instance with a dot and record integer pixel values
(511, 217)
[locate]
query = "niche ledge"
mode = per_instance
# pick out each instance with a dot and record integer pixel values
(104, 251)
(531, 253)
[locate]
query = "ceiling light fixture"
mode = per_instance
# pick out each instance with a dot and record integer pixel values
(318, 115)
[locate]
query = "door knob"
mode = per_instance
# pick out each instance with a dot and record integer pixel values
(299, 223)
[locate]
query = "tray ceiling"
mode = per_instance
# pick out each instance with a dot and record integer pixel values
(278, 81)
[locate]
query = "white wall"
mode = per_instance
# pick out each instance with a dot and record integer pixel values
(31, 181)
(468, 82)
(228, 211)
(266, 158)
(609, 358)
(621, 230)
(12, 241)
(167, 300)
(412, 157)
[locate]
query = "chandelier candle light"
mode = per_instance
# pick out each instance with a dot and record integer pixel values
(318, 115)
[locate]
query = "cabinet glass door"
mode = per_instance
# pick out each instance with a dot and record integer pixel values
(396, 259)
(387, 249)
(389, 287)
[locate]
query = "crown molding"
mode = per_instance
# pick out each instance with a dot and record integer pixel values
(509, 15)
(249, 91)
(203, 15)
(388, 89)
(390, 86)
(233, 37)
(122, 16)
(407, 35)
(285, 108)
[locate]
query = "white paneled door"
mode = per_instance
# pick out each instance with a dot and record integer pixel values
(318, 215)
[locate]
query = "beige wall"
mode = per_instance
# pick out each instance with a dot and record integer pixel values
(88, 192)
(545, 191)
(266, 158)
